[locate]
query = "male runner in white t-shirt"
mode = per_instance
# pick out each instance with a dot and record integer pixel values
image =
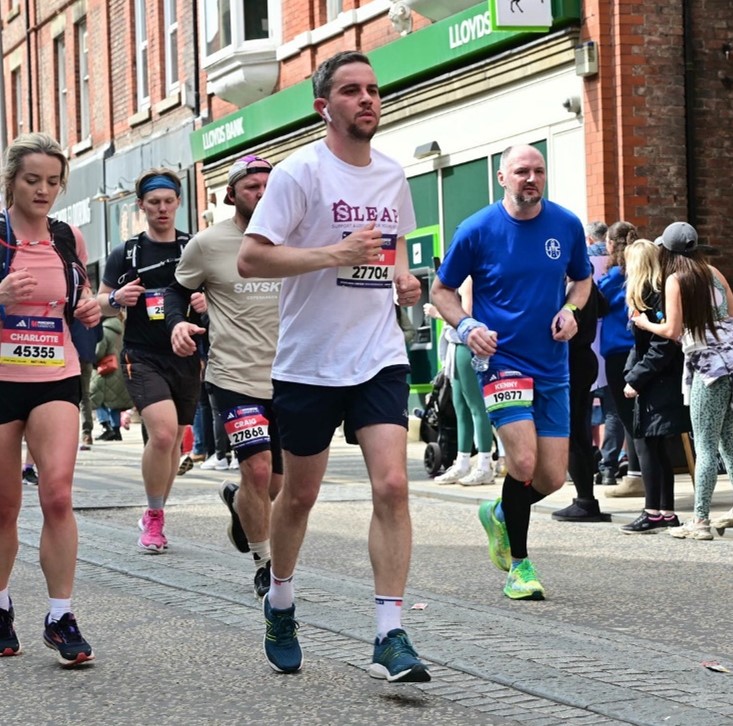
(332, 223)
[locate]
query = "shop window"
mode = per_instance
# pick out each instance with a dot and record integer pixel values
(465, 191)
(424, 191)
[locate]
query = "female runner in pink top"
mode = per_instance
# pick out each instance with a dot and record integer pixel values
(39, 380)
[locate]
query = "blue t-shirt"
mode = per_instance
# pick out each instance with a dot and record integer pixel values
(519, 270)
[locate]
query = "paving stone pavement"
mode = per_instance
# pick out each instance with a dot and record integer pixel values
(495, 667)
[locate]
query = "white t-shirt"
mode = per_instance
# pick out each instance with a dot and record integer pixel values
(337, 326)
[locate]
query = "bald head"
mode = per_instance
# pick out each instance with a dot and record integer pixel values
(523, 175)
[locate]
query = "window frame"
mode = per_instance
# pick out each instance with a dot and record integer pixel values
(62, 90)
(83, 98)
(16, 89)
(172, 73)
(333, 8)
(237, 31)
(142, 56)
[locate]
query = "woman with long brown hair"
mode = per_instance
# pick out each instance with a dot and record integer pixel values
(698, 302)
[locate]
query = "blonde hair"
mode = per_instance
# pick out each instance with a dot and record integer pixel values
(24, 145)
(643, 273)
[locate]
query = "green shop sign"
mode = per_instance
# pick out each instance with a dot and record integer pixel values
(436, 48)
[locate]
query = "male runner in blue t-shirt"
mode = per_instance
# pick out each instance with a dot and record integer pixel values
(520, 253)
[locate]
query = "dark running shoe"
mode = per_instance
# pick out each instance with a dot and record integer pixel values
(30, 478)
(647, 523)
(396, 661)
(66, 639)
(262, 580)
(9, 643)
(237, 537)
(282, 648)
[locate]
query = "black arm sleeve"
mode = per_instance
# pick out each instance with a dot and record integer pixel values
(176, 302)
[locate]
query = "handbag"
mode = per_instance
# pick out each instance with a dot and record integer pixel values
(108, 364)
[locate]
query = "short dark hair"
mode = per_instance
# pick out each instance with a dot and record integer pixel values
(323, 77)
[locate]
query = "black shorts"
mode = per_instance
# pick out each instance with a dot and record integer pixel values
(308, 415)
(154, 377)
(250, 425)
(19, 399)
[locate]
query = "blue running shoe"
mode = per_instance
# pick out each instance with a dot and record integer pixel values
(522, 583)
(499, 550)
(282, 648)
(396, 660)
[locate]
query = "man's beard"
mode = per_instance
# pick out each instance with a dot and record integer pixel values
(524, 202)
(359, 134)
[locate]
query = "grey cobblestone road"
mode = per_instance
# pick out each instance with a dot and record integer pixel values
(492, 663)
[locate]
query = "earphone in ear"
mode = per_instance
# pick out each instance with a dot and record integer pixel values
(327, 115)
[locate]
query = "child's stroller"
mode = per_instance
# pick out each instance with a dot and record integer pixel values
(438, 427)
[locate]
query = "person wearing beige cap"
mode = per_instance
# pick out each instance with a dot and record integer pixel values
(698, 302)
(243, 326)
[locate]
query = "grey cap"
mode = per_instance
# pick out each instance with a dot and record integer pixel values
(678, 237)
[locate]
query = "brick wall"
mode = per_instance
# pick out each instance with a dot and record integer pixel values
(635, 121)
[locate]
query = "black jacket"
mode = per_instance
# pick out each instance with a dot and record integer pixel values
(654, 369)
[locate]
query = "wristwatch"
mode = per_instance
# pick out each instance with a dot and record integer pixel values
(112, 302)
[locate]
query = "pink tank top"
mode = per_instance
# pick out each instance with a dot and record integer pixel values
(35, 341)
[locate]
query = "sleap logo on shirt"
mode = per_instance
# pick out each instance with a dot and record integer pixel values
(345, 212)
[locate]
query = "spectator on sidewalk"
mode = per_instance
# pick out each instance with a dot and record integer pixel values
(85, 340)
(698, 302)
(472, 423)
(616, 342)
(653, 377)
(333, 225)
(108, 392)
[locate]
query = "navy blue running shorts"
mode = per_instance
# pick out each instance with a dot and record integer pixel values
(243, 418)
(308, 415)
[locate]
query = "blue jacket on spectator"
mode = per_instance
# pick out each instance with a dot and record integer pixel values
(615, 334)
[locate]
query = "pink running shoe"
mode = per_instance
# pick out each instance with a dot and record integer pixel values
(152, 538)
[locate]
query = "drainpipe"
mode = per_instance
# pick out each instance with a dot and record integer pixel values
(690, 98)
(29, 57)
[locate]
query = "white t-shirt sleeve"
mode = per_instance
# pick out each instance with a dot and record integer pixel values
(280, 210)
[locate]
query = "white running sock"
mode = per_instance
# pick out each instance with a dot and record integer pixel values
(282, 592)
(389, 614)
(484, 461)
(5, 599)
(463, 460)
(260, 553)
(58, 607)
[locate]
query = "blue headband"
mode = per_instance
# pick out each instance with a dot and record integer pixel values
(159, 182)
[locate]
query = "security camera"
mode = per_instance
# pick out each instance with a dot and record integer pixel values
(572, 104)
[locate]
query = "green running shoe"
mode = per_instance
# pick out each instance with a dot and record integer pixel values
(522, 583)
(499, 550)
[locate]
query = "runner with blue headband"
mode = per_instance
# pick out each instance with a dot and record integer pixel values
(163, 386)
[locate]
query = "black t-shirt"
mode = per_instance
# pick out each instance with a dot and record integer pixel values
(156, 264)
